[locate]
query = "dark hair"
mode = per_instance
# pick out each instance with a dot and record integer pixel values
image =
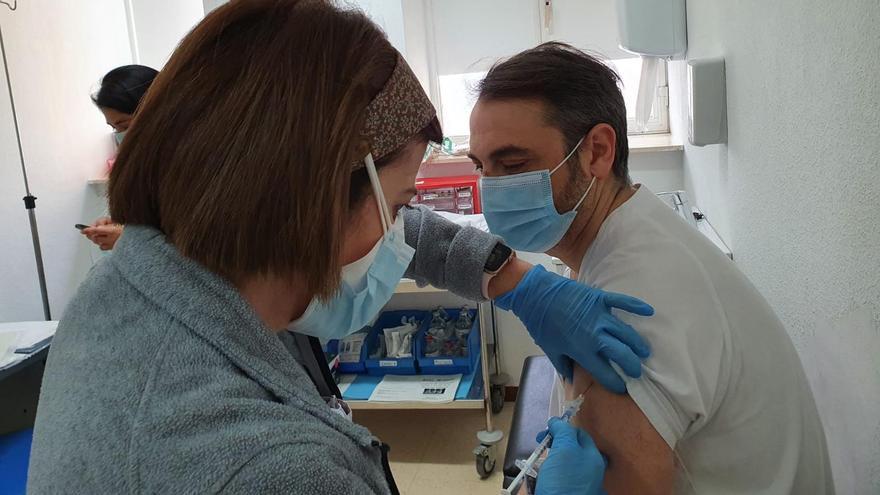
(123, 88)
(242, 150)
(579, 90)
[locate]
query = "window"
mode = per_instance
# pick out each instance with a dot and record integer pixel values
(464, 38)
(630, 71)
(458, 96)
(457, 99)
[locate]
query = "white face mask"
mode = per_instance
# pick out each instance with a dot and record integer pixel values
(367, 284)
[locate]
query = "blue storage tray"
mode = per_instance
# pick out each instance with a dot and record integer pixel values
(349, 368)
(391, 366)
(443, 365)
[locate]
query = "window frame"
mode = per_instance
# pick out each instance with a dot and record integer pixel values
(659, 123)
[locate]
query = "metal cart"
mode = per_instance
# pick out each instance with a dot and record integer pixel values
(492, 401)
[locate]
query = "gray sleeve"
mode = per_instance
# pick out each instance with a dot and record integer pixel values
(448, 256)
(301, 468)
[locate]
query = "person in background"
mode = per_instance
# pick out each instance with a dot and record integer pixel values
(119, 96)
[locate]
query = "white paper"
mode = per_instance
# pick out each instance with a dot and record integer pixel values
(8, 345)
(417, 388)
(16, 335)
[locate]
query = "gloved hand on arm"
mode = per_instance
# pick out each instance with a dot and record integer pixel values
(573, 466)
(572, 321)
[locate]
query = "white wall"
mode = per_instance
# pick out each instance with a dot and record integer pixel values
(796, 193)
(57, 51)
(159, 25)
(659, 171)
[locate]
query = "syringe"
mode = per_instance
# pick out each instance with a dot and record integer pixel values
(571, 408)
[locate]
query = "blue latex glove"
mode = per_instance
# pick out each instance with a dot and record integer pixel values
(569, 320)
(574, 464)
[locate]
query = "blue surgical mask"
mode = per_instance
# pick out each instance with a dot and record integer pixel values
(520, 208)
(367, 284)
(119, 136)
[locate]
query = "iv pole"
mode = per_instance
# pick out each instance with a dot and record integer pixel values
(30, 201)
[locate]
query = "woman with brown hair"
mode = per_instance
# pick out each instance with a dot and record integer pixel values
(264, 186)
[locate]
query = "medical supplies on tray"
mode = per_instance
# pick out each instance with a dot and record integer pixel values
(350, 351)
(458, 194)
(399, 341)
(451, 343)
(391, 344)
(448, 338)
(444, 341)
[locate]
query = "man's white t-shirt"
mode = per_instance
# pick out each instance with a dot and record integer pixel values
(724, 386)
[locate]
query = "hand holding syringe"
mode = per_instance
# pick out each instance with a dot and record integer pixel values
(571, 408)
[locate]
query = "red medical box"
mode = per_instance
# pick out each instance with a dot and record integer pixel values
(459, 194)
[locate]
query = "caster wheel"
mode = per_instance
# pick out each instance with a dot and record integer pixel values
(497, 398)
(485, 466)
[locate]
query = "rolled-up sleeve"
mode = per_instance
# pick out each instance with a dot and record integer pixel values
(448, 256)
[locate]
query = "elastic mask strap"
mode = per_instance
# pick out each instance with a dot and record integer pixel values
(576, 147)
(384, 212)
(585, 194)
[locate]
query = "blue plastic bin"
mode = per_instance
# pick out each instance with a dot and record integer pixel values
(451, 365)
(349, 368)
(390, 366)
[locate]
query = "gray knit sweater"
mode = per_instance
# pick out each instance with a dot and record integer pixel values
(161, 379)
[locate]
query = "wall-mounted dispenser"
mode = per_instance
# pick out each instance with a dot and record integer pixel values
(707, 101)
(653, 28)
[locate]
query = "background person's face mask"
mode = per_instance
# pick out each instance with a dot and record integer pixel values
(367, 284)
(520, 208)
